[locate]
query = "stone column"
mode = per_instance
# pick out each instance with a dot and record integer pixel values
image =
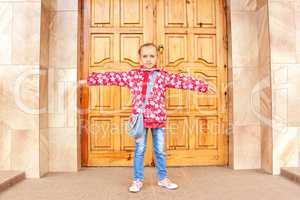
(245, 138)
(64, 139)
(23, 135)
(284, 72)
(264, 55)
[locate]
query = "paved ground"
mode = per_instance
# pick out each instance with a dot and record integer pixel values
(203, 183)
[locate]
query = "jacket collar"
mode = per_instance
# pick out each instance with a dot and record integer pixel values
(142, 68)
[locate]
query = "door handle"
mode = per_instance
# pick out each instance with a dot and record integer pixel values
(160, 48)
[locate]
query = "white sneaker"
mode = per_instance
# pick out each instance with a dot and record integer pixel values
(167, 183)
(136, 186)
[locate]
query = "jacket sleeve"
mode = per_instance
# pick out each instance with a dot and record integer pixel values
(181, 81)
(109, 78)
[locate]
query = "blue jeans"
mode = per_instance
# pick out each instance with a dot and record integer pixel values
(158, 135)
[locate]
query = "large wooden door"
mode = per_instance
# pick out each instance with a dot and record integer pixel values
(113, 32)
(191, 34)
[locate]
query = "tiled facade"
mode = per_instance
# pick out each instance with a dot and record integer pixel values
(38, 67)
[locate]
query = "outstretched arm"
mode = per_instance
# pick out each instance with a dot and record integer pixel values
(181, 81)
(108, 78)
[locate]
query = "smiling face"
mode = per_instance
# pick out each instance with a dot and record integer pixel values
(148, 56)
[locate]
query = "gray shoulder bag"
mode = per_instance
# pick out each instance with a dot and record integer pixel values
(136, 124)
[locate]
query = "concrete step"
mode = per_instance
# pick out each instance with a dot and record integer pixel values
(292, 173)
(9, 178)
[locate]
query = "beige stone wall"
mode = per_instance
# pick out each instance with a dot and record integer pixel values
(285, 71)
(38, 69)
(264, 66)
(20, 93)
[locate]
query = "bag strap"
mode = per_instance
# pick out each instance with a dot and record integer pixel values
(149, 87)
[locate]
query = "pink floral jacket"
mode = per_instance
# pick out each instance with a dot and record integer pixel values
(155, 111)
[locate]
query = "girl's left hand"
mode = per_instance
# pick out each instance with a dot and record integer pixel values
(82, 82)
(211, 88)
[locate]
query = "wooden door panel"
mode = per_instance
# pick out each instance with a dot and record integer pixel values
(176, 49)
(101, 13)
(175, 13)
(177, 137)
(101, 134)
(176, 100)
(131, 13)
(205, 49)
(206, 133)
(127, 143)
(192, 33)
(205, 13)
(101, 49)
(199, 102)
(99, 102)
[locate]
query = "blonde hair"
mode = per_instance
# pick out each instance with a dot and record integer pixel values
(149, 44)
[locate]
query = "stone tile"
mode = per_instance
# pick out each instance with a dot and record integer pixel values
(20, 96)
(25, 151)
(5, 144)
(288, 146)
(62, 97)
(279, 94)
(264, 55)
(261, 3)
(244, 39)
(247, 147)
(243, 5)
(282, 32)
(63, 39)
(293, 95)
(44, 38)
(63, 149)
(266, 148)
(62, 5)
(297, 21)
(43, 93)
(44, 151)
(246, 99)
(6, 33)
(26, 33)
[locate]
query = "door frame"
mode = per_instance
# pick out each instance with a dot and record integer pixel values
(82, 73)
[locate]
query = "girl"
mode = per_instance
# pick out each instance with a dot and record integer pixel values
(154, 114)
